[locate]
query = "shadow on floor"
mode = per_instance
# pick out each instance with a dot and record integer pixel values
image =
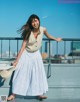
(27, 99)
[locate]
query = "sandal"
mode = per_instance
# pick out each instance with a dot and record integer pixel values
(11, 97)
(42, 97)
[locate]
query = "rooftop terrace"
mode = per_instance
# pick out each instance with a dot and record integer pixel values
(63, 75)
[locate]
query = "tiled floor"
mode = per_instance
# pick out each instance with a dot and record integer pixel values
(34, 99)
(46, 100)
(64, 85)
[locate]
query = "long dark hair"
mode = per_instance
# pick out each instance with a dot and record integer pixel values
(27, 28)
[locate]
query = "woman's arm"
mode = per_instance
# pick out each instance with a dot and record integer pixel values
(51, 37)
(20, 52)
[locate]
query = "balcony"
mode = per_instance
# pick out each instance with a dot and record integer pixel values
(62, 68)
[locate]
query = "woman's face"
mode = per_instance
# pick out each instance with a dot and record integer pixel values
(35, 23)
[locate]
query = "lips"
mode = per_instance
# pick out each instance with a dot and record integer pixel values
(36, 26)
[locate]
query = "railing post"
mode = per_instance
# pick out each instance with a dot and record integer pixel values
(1, 48)
(9, 48)
(49, 65)
(57, 48)
(17, 47)
(64, 48)
(72, 52)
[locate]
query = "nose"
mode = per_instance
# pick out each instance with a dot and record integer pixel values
(35, 23)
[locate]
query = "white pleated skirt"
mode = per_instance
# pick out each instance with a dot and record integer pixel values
(30, 77)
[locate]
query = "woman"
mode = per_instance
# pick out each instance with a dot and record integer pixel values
(29, 77)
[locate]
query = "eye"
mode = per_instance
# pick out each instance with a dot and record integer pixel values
(36, 20)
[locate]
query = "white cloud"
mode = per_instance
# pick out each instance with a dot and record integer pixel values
(44, 17)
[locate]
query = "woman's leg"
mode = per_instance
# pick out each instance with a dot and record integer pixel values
(11, 97)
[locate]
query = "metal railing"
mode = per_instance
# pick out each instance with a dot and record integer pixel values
(49, 42)
(46, 48)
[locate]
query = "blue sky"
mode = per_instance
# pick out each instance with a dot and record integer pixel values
(60, 19)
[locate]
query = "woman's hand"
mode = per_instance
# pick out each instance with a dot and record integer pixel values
(14, 63)
(58, 39)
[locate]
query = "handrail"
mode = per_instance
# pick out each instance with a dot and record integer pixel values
(15, 38)
(44, 39)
